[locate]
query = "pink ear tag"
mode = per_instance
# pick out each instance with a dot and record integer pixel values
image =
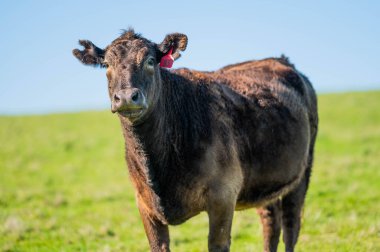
(167, 60)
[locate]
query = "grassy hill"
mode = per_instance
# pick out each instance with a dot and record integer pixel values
(64, 186)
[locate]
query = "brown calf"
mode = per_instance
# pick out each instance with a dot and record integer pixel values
(239, 137)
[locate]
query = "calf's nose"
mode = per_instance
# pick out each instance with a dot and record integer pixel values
(127, 100)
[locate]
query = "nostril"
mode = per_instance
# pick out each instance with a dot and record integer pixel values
(135, 96)
(116, 98)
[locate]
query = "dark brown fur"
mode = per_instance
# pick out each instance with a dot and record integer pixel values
(239, 137)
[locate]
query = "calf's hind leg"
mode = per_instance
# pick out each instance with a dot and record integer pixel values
(271, 222)
(292, 205)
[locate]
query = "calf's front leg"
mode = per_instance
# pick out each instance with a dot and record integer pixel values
(156, 232)
(220, 212)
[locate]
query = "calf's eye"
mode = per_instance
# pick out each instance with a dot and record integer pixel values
(150, 62)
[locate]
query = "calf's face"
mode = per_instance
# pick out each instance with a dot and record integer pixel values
(133, 71)
(133, 77)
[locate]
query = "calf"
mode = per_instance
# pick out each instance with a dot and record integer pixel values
(240, 137)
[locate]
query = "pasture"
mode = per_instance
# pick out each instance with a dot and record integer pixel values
(64, 185)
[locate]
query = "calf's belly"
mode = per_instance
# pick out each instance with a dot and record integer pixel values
(267, 181)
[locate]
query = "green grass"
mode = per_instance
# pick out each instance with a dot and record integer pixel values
(64, 186)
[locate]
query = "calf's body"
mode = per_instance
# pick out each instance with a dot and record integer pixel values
(236, 138)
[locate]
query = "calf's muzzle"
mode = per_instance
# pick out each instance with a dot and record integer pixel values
(128, 100)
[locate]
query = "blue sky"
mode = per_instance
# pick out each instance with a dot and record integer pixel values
(335, 43)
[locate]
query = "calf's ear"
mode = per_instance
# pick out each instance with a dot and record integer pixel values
(176, 41)
(91, 55)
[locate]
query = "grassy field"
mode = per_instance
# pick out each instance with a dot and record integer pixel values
(64, 186)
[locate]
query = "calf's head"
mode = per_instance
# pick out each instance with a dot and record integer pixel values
(132, 63)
